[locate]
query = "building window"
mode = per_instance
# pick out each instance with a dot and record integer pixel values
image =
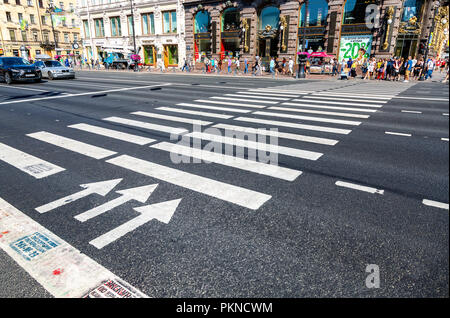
(32, 21)
(412, 8)
(35, 36)
(148, 23)
(24, 35)
(66, 37)
(38, 52)
(149, 55)
(355, 11)
(270, 16)
(130, 24)
(43, 19)
(86, 28)
(20, 16)
(202, 22)
(30, 3)
(317, 14)
(230, 19)
(40, 3)
(99, 28)
(75, 37)
(61, 5)
(170, 22)
(56, 34)
(116, 29)
(45, 36)
(171, 52)
(8, 17)
(18, 2)
(12, 35)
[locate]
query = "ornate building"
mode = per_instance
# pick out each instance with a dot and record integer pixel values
(107, 26)
(281, 28)
(28, 28)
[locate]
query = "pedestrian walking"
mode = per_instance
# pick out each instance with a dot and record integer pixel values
(430, 69)
(245, 65)
(291, 66)
(238, 63)
(408, 66)
(229, 65)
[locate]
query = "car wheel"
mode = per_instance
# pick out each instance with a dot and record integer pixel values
(8, 79)
(50, 76)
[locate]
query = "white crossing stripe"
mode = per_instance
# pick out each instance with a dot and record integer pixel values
(228, 103)
(293, 152)
(244, 100)
(444, 139)
(346, 99)
(134, 139)
(193, 112)
(272, 90)
(355, 109)
(266, 132)
(359, 187)
(397, 134)
(241, 196)
(29, 164)
(411, 112)
(294, 125)
(140, 124)
(359, 95)
(337, 103)
(435, 204)
(307, 118)
(232, 110)
(261, 97)
(72, 145)
(319, 112)
(172, 118)
(269, 94)
(230, 161)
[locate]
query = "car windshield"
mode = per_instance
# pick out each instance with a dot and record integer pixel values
(10, 61)
(52, 64)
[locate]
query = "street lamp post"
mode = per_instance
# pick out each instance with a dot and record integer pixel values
(436, 6)
(49, 10)
(134, 34)
(301, 62)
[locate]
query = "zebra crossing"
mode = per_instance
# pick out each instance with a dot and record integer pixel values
(308, 117)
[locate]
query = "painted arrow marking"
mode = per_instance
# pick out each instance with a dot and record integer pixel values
(140, 194)
(102, 188)
(162, 212)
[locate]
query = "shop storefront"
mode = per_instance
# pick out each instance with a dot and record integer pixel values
(230, 44)
(202, 35)
(312, 26)
(409, 32)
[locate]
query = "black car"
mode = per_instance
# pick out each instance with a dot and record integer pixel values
(18, 69)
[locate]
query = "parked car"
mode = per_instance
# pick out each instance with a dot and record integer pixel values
(18, 69)
(54, 69)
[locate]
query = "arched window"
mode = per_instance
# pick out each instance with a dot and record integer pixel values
(269, 16)
(317, 14)
(230, 19)
(202, 22)
(355, 11)
(412, 8)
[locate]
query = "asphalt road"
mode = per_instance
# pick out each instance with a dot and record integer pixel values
(237, 233)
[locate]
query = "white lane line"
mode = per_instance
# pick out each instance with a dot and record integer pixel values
(230, 161)
(241, 196)
(435, 204)
(30, 89)
(368, 96)
(194, 112)
(134, 139)
(228, 103)
(262, 97)
(172, 118)
(345, 99)
(444, 139)
(359, 187)
(268, 94)
(445, 114)
(271, 90)
(307, 118)
(337, 103)
(140, 124)
(233, 110)
(72, 145)
(61, 269)
(411, 112)
(293, 152)
(81, 94)
(29, 164)
(355, 109)
(244, 100)
(309, 111)
(294, 125)
(397, 134)
(250, 130)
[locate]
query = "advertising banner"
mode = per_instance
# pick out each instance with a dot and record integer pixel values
(355, 46)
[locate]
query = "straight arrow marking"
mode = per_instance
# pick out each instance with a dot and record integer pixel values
(140, 194)
(162, 212)
(102, 188)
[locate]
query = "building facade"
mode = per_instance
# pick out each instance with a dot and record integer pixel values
(107, 27)
(29, 28)
(282, 28)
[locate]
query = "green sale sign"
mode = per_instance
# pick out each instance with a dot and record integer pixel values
(351, 46)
